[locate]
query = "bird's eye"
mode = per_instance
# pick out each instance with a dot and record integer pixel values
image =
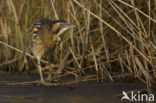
(62, 25)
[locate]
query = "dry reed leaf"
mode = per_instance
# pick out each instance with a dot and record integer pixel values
(75, 57)
(143, 70)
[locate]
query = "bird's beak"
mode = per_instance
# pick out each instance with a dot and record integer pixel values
(64, 27)
(67, 25)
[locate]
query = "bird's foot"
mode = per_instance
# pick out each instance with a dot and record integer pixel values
(51, 79)
(44, 83)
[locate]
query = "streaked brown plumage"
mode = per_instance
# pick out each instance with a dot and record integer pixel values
(45, 36)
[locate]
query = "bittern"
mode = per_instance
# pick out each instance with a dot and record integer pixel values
(45, 36)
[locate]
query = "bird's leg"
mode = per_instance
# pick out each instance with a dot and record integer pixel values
(50, 75)
(42, 81)
(40, 70)
(49, 78)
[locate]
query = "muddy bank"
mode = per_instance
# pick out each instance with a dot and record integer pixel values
(84, 92)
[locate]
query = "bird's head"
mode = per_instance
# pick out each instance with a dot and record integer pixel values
(60, 27)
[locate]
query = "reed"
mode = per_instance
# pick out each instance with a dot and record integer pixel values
(112, 38)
